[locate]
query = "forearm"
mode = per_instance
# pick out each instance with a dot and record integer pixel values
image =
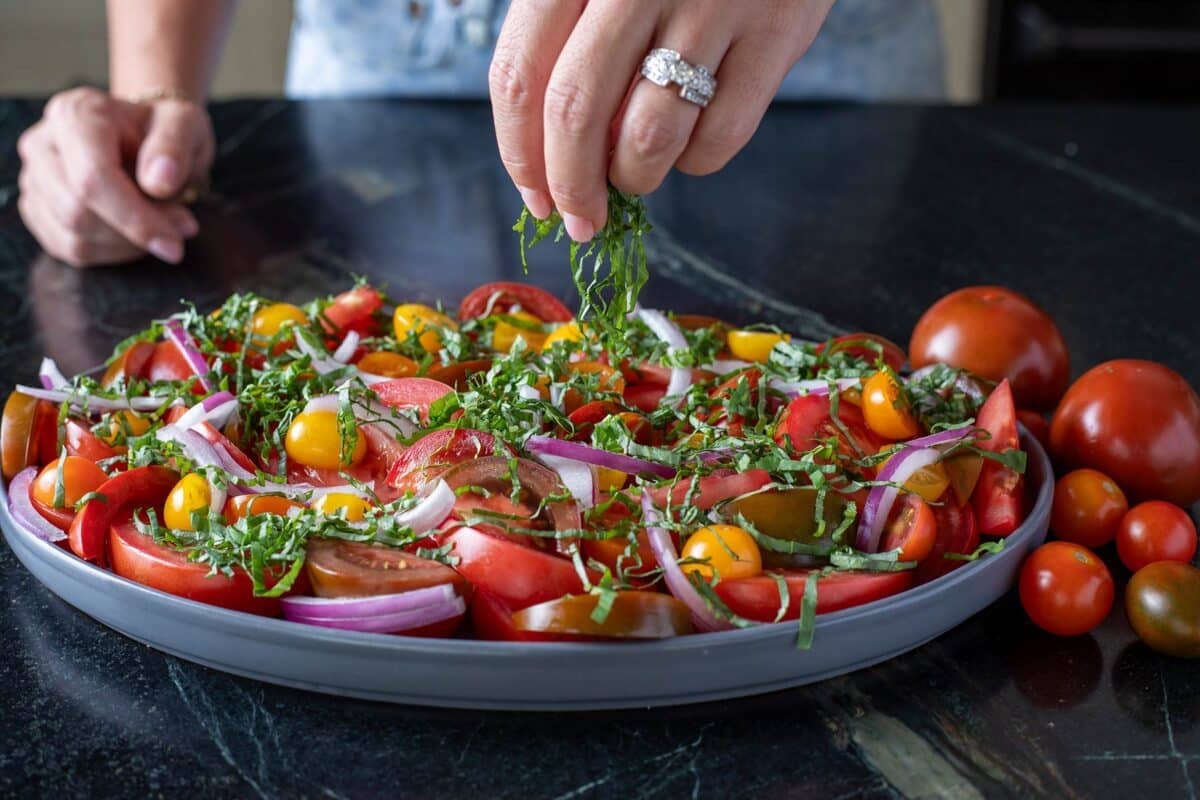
(165, 45)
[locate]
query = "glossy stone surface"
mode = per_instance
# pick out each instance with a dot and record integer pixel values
(865, 215)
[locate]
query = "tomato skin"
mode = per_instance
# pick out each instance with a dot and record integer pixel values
(1155, 531)
(633, 615)
(758, 598)
(419, 393)
(130, 364)
(166, 363)
(729, 550)
(712, 489)
(139, 558)
(60, 518)
(141, 487)
(1137, 422)
(339, 568)
(885, 409)
(957, 532)
(1162, 602)
(999, 497)
(912, 529)
(79, 476)
(1065, 589)
(518, 576)
(353, 310)
(536, 301)
(1088, 508)
(997, 334)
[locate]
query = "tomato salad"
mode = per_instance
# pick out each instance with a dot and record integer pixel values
(504, 471)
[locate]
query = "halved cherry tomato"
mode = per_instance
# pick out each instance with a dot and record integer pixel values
(999, 497)
(633, 615)
(130, 364)
(585, 417)
(80, 441)
(749, 379)
(270, 320)
(388, 365)
(1155, 531)
(425, 322)
(572, 331)
(79, 476)
(139, 558)
(418, 393)
(457, 375)
(957, 532)
(434, 453)
(27, 426)
(501, 297)
(758, 598)
(726, 551)
(615, 553)
(338, 568)
(607, 380)
(1088, 507)
(248, 505)
(790, 514)
(867, 346)
(518, 576)
(351, 506)
(711, 489)
(912, 529)
(808, 423)
(353, 310)
(190, 495)
(141, 487)
(754, 345)
(518, 325)
(1065, 588)
(122, 426)
(314, 439)
(886, 408)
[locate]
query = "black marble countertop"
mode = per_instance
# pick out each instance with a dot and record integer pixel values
(865, 215)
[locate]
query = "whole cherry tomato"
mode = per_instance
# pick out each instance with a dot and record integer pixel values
(1162, 602)
(1065, 588)
(995, 333)
(1088, 507)
(1155, 531)
(1137, 422)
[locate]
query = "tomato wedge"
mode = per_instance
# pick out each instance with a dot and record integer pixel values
(501, 297)
(912, 529)
(1000, 494)
(516, 575)
(139, 558)
(808, 422)
(141, 487)
(338, 568)
(436, 452)
(633, 615)
(353, 310)
(27, 429)
(166, 363)
(418, 393)
(80, 441)
(721, 485)
(130, 364)
(957, 532)
(758, 598)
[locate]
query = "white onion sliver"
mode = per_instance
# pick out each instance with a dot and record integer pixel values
(812, 386)
(898, 469)
(681, 381)
(677, 582)
(51, 375)
(431, 511)
(347, 347)
(662, 327)
(320, 363)
(724, 366)
(22, 510)
(576, 476)
(99, 404)
(326, 402)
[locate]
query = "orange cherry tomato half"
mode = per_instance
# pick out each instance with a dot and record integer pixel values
(79, 476)
(247, 505)
(886, 409)
(1088, 507)
(23, 428)
(1065, 589)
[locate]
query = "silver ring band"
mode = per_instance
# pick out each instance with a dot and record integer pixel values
(664, 67)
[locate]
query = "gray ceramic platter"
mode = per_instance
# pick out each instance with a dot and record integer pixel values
(557, 676)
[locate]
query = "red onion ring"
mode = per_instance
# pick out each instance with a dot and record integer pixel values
(391, 622)
(98, 404)
(357, 607)
(666, 330)
(22, 510)
(546, 445)
(186, 346)
(433, 509)
(51, 376)
(677, 582)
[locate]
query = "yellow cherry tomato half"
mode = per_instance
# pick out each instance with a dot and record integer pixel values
(506, 332)
(269, 321)
(728, 550)
(191, 494)
(313, 440)
(388, 365)
(610, 480)
(79, 476)
(754, 345)
(885, 408)
(929, 483)
(124, 425)
(567, 332)
(423, 321)
(354, 507)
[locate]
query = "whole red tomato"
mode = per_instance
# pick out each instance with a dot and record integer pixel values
(1162, 602)
(1065, 589)
(995, 333)
(1137, 422)
(1155, 531)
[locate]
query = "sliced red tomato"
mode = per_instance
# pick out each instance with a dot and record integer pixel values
(141, 487)
(418, 393)
(518, 576)
(27, 430)
(139, 558)
(458, 374)
(808, 422)
(80, 441)
(1000, 495)
(758, 598)
(501, 297)
(130, 364)
(956, 533)
(633, 615)
(353, 310)
(60, 518)
(867, 346)
(644, 396)
(492, 620)
(434, 453)
(337, 568)
(912, 529)
(166, 363)
(721, 485)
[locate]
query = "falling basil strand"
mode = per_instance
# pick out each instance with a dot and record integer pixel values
(610, 270)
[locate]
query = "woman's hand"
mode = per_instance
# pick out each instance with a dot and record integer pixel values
(99, 176)
(561, 91)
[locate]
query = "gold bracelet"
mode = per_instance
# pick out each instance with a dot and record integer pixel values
(155, 95)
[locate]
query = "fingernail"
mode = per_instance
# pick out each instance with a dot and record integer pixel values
(162, 174)
(169, 250)
(187, 224)
(578, 228)
(536, 201)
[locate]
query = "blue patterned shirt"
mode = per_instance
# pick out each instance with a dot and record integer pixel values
(867, 50)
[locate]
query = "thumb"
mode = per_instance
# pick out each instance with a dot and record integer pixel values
(173, 137)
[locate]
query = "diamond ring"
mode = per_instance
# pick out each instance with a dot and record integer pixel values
(663, 67)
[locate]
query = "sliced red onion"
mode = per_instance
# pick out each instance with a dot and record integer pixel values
(22, 510)
(236, 470)
(186, 346)
(347, 347)
(431, 511)
(576, 476)
(662, 327)
(51, 376)
(392, 622)
(898, 469)
(963, 382)
(817, 387)
(677, 582)
(357, 607)
(215, 410)
(953, 436)
(320, 363)
(680, 382)
(97, 404)
(546, 445)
